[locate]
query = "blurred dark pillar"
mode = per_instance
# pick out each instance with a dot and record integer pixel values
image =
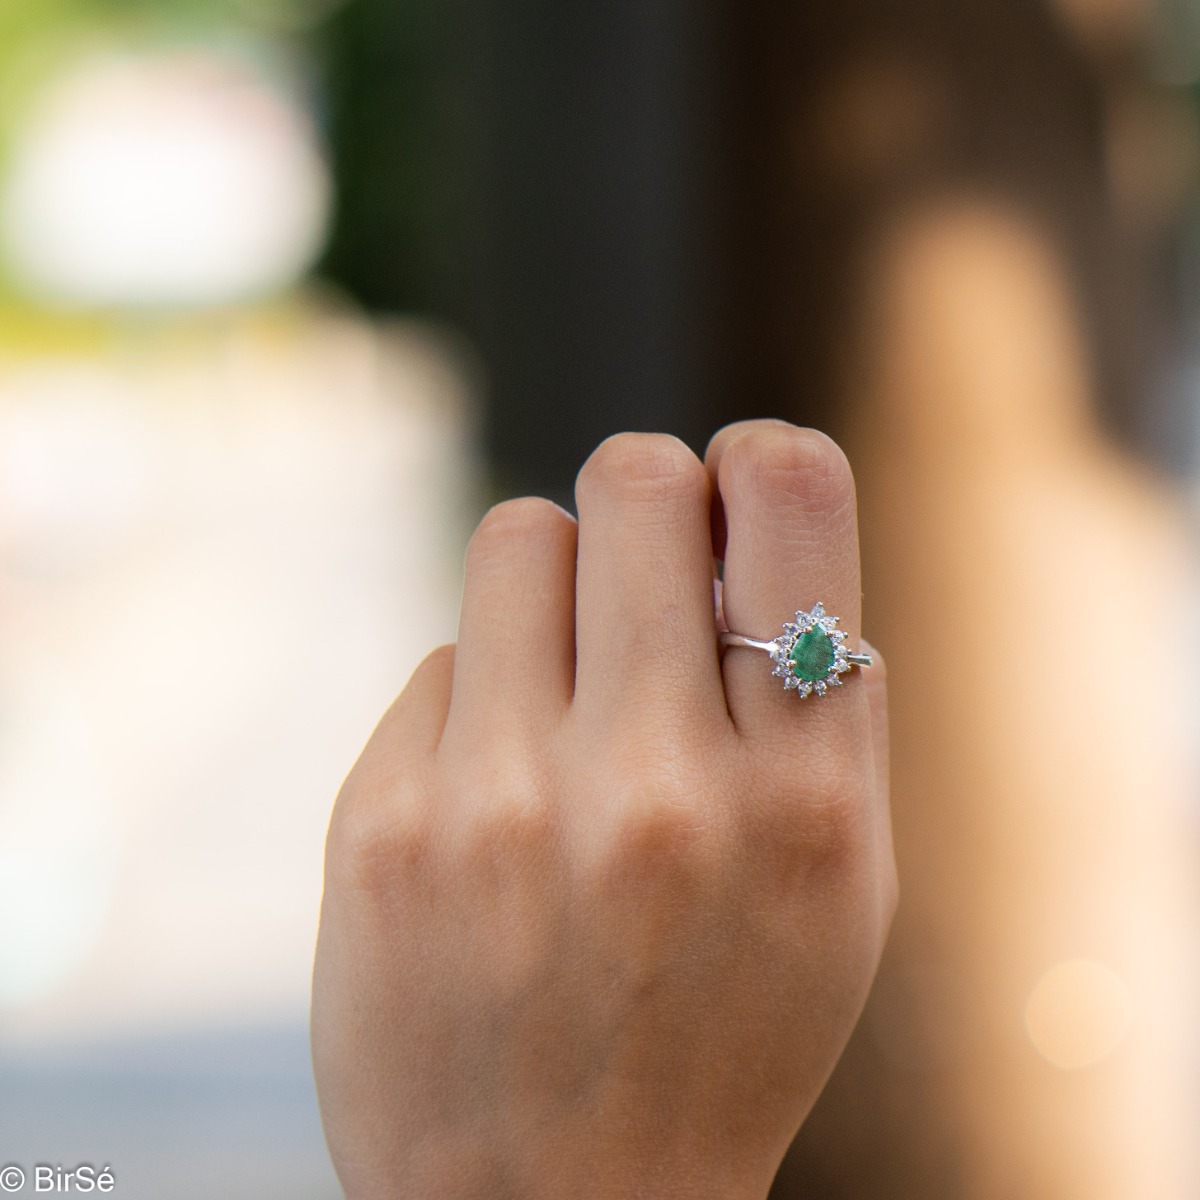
(596, 253)
(400, 97)
(541, 175)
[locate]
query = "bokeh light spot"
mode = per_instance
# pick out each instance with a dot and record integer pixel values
(1078, 1013)
(184, 179)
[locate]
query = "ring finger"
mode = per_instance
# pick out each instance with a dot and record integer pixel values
(791, 540)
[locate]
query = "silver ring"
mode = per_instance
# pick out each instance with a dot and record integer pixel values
(809, 656)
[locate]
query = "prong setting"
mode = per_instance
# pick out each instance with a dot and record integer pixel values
(811, 655)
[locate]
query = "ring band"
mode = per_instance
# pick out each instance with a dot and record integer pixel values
(810, 655)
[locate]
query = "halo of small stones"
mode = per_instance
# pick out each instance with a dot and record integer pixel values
(781, 652)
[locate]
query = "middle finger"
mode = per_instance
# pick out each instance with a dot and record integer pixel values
(644, 610)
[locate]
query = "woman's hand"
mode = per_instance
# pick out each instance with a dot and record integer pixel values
(602, 907)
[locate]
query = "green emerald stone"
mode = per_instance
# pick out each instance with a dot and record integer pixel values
(812, 655)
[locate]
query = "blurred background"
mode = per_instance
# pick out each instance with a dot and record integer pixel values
(291, 289)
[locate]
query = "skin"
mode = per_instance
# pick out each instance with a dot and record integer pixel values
(602, 906)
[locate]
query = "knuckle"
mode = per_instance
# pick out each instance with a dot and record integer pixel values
(375, 844)
(657, 831)
(508, 833)
(517, 520)
(800, 467)
(824, 828)
(659, 819)
(505, 804)
(836, 824)
(438, 664)
(650, 466)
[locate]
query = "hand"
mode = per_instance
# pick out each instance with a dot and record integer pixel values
(601, 907)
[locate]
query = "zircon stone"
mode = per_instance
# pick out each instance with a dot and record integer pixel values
(812, 655)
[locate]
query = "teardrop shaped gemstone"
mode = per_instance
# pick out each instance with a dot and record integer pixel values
(812, 655)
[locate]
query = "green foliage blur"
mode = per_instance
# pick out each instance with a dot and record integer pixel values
(40, 39)
(37, 36)
(386, 78)
(403, 117)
